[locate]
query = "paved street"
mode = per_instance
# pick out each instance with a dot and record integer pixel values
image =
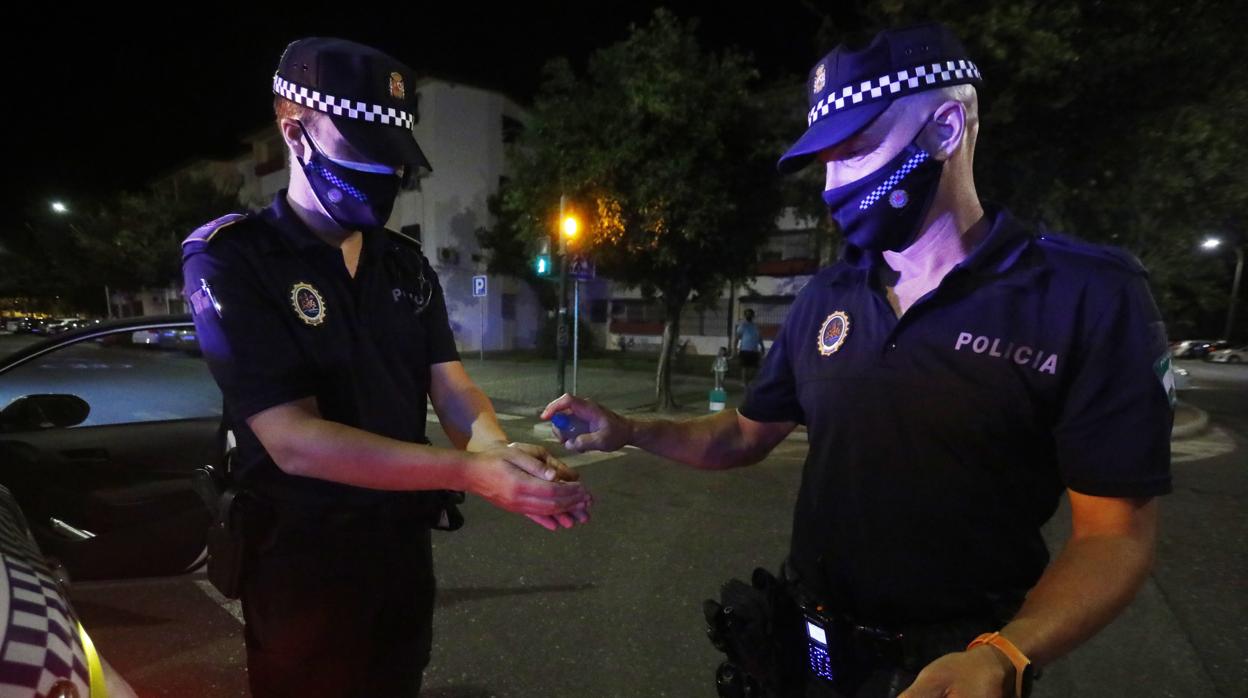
(613, 608)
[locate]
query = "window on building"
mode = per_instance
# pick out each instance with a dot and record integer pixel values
(509, 306)
(598, 310)
(512, 128)
(767, 311)
(412, 231)
(636, 310)
(797, 244)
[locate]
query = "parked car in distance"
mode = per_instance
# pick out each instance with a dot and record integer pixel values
(1229, 355)
(1197, 348)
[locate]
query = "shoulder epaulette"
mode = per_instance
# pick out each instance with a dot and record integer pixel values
(1076, 246)
(206, 232)
(406, 239)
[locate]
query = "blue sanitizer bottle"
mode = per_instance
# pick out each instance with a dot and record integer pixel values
(570, 426)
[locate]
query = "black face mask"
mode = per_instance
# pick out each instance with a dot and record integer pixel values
(883, 210)
(354, 197)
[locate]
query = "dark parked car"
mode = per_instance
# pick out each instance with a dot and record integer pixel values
(1198, 348)
(107, 489)
(35, 326)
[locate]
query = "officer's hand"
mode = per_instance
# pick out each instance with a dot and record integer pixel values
(608, 431)
(982, 672)
(563, 473)
(516, 480)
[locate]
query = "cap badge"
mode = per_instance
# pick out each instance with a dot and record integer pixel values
(833, 332)
(308, 304)
(821, 79)
(899, 198)
(397, 89)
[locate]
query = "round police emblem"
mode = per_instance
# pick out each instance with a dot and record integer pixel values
(63, 689)
(308, 304)
(821, 79)
(833, 332)
(899, 198)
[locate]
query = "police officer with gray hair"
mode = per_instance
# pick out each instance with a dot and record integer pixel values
(958, 370)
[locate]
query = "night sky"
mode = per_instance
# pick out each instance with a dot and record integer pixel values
(105, 100)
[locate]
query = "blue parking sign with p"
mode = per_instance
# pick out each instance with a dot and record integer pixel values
(478, 286)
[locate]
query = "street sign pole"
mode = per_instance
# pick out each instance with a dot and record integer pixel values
(561, 326)
(480, 291)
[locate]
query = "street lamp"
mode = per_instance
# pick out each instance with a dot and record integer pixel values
(1213, 243)
(59, 208)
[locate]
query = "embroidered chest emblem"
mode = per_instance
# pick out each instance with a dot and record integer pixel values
(833, 332)
(307, 302)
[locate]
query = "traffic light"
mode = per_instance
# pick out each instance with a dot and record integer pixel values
(542, 265)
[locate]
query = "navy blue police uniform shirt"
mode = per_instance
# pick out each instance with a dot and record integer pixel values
(279, 318)
(941, 441)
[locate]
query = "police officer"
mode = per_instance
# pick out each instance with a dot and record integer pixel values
(957, 370)
(327, 333)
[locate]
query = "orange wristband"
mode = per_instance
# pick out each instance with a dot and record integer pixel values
(1022, 665)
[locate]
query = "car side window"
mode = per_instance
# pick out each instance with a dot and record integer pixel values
(149, 375)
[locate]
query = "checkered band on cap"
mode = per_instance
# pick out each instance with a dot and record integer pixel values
(338, 106)
(893, 180)
(922, 77)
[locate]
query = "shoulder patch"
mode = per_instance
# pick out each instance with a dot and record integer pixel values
(205, 233)
(1073, 245)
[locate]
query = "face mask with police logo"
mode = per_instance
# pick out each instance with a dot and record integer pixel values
(357, 196)
(883, 211)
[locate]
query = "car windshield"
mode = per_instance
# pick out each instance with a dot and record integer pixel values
(125, 377)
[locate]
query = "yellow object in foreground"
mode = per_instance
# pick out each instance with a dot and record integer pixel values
(95, 668)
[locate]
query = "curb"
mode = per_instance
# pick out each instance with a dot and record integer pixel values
(1194, 428)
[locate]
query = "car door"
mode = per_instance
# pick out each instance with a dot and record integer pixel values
(111, 497)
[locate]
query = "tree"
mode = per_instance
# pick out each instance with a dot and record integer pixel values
(510, 251)
(667, 153)
(128, 241)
